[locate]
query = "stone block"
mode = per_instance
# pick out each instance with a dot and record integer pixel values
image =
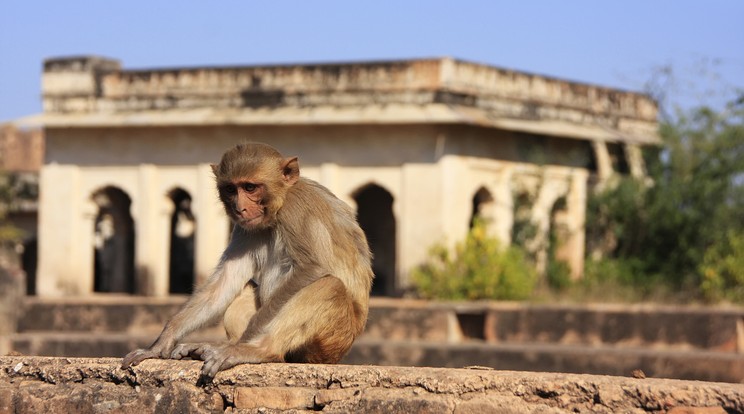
(279, 398)
(697, 410)
(325, 397)
(396, 401)
(503, 405)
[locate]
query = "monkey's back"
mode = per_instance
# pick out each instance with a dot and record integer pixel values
(326, 237)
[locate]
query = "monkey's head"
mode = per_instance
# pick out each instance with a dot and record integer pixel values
(253, 180)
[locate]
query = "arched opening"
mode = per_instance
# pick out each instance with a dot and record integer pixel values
(182, 235)
(114, 242)
(29, 258)
(375, 216)
(483, 205)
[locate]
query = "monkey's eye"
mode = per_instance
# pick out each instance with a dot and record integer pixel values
(229, 189)
(249, 187)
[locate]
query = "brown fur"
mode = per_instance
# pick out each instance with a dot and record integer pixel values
(299, 250)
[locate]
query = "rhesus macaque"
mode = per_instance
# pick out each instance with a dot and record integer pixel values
(301, 251)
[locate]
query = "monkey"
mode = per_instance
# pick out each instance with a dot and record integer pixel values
(301, 253)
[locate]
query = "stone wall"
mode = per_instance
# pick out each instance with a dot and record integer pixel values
(62, 385)
(21, 150)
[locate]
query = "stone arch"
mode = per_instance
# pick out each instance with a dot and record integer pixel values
(375, 216)
(483, 206)
(182, 237)
(114, 233)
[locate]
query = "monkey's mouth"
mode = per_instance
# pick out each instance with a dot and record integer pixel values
(243, 221)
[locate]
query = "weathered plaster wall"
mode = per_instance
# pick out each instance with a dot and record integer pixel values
(431, 172)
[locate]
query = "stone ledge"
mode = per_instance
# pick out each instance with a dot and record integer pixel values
(84, 385)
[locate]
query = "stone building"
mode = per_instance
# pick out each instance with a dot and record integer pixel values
(417, 146)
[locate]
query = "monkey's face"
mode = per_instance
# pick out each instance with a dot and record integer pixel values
(253, 180)
(246, 203)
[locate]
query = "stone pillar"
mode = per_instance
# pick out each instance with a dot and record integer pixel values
(455, 200)
(212, 226)
(604, 163)
(635, 161)
(65, 255)
(503, 208)
(571, 250)
(86, 239)
(419, 201)
(550, 191)
(153, 211)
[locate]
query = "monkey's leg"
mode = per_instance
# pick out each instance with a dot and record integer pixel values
(238, 314)
(317, 325)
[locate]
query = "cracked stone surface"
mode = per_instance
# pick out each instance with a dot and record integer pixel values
(99, 385)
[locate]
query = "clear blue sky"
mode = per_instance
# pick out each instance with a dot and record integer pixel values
(612, 43)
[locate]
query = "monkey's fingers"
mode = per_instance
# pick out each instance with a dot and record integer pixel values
(214, 365)
(204, 351)
(215, 359)
(135, 357)
(184, 350)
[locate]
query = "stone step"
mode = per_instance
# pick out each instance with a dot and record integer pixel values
(539, 357)
(604, 360)
(673, 327)
(98, 313)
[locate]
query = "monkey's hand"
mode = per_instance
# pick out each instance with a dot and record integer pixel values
(221, 357)
(160, 349)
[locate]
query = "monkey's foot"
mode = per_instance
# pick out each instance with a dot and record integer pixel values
(160, 349)
(221, 357)
(135, 357)
(187, 350)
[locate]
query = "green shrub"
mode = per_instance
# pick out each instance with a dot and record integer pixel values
(558, 275)
(479, 268)
(722, 269)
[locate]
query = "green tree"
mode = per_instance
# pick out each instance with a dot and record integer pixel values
(694, 202)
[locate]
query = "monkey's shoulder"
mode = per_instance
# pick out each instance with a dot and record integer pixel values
(309, 205)
(310, 197)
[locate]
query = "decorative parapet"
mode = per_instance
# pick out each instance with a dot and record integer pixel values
(57, 385)
(423, 90)
(74, 83)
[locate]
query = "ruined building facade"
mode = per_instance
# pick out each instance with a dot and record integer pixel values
(418, 147)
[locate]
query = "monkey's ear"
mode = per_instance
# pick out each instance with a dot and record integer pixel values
(291, 170)
(214, 168)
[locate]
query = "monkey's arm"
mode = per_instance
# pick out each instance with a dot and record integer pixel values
(208, 302)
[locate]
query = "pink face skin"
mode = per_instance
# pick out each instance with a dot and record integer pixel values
(243, 202)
